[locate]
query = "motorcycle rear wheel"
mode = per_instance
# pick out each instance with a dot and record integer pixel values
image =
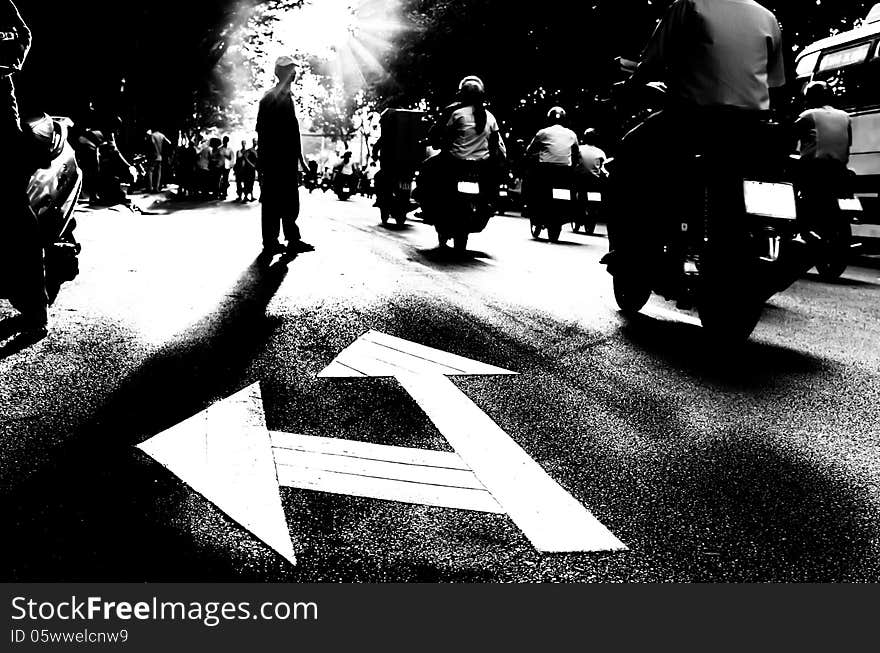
(384, 215)
(837, 260)
(536, 231)
(630, 293)
(553, 233)
(461, 241)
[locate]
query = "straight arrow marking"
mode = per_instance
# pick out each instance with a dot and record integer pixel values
(552, 520)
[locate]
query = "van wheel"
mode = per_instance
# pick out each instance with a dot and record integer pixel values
(631, 294)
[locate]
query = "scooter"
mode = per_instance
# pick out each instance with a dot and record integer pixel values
(467, 210)
(736, 243)
(551, 199)
(53, 192)
(344, 186)
(828, 209)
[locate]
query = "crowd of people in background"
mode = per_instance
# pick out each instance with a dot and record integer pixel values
(201, 167)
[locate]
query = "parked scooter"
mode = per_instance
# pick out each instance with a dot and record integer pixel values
(53, 192)
(738, 242)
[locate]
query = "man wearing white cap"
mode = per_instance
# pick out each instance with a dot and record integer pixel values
(281, 154)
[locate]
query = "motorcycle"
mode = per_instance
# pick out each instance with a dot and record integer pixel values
(402, 150)
(737, 239)
(552, 200)
(466, 209)
(591, 204)
(53, 192)
(344, 186)
(828, 209)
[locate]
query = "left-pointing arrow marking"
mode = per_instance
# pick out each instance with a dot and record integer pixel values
(225, 454)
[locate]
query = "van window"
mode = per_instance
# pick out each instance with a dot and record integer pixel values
(856, 87)
(807, 64)
(843, 58)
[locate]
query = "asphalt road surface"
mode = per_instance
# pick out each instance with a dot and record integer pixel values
(759, 464)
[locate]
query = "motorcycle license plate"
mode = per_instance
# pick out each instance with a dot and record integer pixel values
(562, 194)
(854, 204)
(502, 193)
(594, 197)
(770, 200)
(346, 190)
(469, 187)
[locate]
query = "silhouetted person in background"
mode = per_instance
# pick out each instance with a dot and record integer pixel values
(280, 154)
(20, 240)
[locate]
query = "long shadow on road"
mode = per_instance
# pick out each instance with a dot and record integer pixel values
(101, 510)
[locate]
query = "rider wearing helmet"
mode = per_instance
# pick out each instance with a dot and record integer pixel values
(553, 154)
(465, 132)
(555, 144)
(720, 61)
(468, 131)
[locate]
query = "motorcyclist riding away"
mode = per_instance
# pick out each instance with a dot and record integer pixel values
(466, 133)
(720, 60)
(554, 154)
(825, 136)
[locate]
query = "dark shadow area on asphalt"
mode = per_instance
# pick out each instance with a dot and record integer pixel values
(561, 243)
(742, 366)
(399, 228)
(842, 281)
(103, 510)
(774, 516)
(445, 257)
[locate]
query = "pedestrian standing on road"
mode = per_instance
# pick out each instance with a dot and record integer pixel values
(156, 151)
(280, 155)
(228, 155)
(21, 245)
(238, 170)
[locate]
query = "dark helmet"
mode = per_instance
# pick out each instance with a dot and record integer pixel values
(590, 136)
(471, 88)
(818, 94)
(556, 116)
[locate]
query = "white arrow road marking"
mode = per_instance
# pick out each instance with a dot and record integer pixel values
(375, 471)
(224, 454)
(378, 354)
(227, 454)
(549, 516)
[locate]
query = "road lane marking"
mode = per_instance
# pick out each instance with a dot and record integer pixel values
(227, 454)
(389, 489)
(224, 454)
(552, 520)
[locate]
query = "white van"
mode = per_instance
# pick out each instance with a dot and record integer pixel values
(850, 63)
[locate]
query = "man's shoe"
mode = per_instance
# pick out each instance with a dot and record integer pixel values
(299, 247)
